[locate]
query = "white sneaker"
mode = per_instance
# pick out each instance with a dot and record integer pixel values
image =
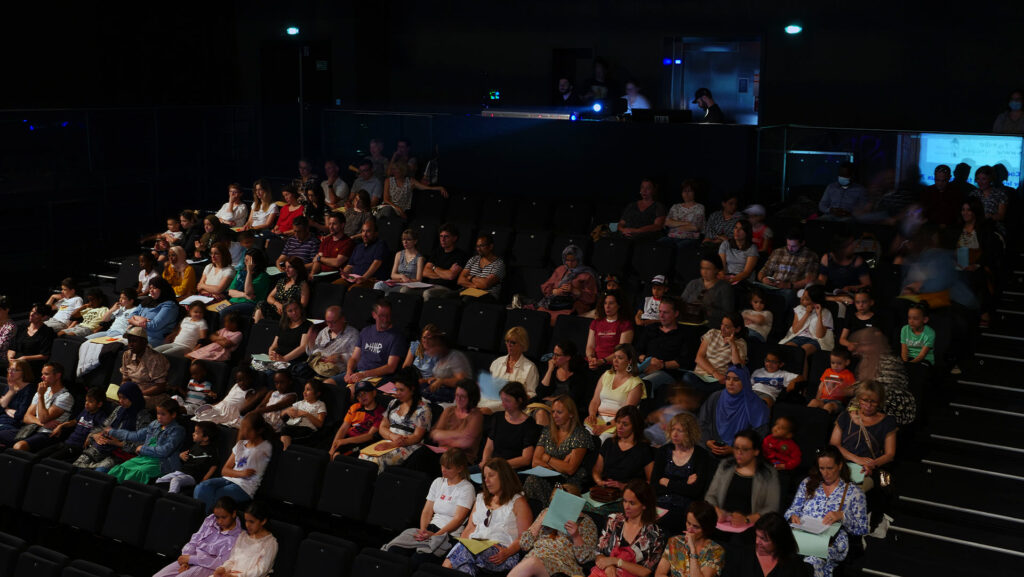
(882, 529)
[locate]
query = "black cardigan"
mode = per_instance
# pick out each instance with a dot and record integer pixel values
(703, 464)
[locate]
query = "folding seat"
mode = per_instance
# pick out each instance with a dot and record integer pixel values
(127, 274)
(325, 295)
(15, 470)
(503, 237)
(405, 311)
(530, 248)
(813, 428)
(497, 211)
(178, 370)
(398, 497)
(82, 568)
(226, 439)
(611, 255)
(261, 336)
(372, 561)
(358, 306)
(128, 513)
(443, 313)
(87, 497)
(275, 246)
(572, 328)
(653, 258)
(526, 281)
(537, 325)
(39, 561)
(429, 205)
(10, 548)
(347, 488)
(480, 361)
(175, 518)
(65, 352)
(390, 228)
(481, 326)
(426, 238)
(687, 265)
(533, 213)
(463, 209)
(573, 215)
(288, 539)
(321, 554)
(47, 486)
(297, 477)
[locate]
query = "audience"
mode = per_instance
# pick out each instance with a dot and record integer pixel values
(156, 446)
(292, 287)
(51, 406)
(329, 351)
(719, 349)
(62, 304)
(685, 220)
(645, 218)
(243, 471)
(709, 297)
(335, 247)
(1011, 120)
(186, 337)
(461, 425)
(571, 288)
(301, 244)
(19, 395)
(334, 188)
(813, 326)
(513, 434)
(217, 275)
(739, 253)
(557, 552)
(790, 268)
(631, 542)
(250, 285)
(292, 209)
(367, 257)
(158, 314)
(241, 399)
(565, 375)
(103, 452)
(440, 366)
(843, 198)
(361, 423)
(210, 546)
(263, 216)
(379, 350)
(86, 319)
(304, 417)
(255, 549)
(626, 455)
(720, 226)
(145, 367)
(774, 552)
(445, 266)
(368, 182)
(611, 328)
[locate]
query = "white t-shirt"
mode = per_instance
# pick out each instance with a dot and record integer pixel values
(448, 498)
(317, 408)
(145, 277)
(256, 458)
(217, 275)
(63, 400)
(188, 336)
(650, 312)
(340, 191)
(812, 321)
(763, 329)
(237, 216)
(771, 384)
(65, 307)
(260, 217)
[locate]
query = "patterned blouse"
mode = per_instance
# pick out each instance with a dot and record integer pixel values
(401, 194)
(647, 547)
(558, 553)
(693, 215)
(855, 519)
(678, 555)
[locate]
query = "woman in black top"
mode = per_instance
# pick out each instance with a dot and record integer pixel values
(682, 472)
(290, 344)
(513, 434)
(34, 343)
(626, 455)
(774, 553)
(565, 375)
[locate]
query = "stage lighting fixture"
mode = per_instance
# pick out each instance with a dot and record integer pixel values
(292, 31)
(794, 29)
(597, 107)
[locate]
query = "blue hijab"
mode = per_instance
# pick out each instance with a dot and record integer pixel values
(126, 418)
(744, 410)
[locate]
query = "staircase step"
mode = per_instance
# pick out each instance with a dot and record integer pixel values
(956, 494)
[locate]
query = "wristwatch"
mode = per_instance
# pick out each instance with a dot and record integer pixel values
(619, 563)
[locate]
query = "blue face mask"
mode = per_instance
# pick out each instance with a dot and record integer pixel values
(843, 181)
(1016, 104)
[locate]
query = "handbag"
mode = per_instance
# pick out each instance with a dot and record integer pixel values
(692, 313)
(884, 477)
(322, 367)
(605, 494)
(26, 431)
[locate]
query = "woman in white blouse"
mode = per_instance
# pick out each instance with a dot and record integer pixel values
(514, 366)
(217, 275)
(264, 211)
(234, 213)
(255, 550)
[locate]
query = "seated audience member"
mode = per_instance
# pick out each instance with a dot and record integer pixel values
(790, 268)
(942, 199)
(774, 551)
(566, 375)
(243, 471)
(191, 230)
(635, 100)
(557, 552)
(484, 271)
(250, 286)
(978, 251)
(761, 234)
(218, 274)
(86, 319)
(682, 471)
(363, 268)
(685, 220)
(757, 319)
(289, 212)
(643, 219)
(828, 496)
(398, 189)
(863, 317)
(157, 446)
(842, 271)
(719, 348)
(513, 434)
(367, 181)
(302, 243)
(255, 549)
(563, 445)
(213, 232)
(103, 452)
(380, 347)
(179, 274)
(33, 343)
(681, 399)
(461, 425)
(198, 391)
(632, 543)
(780, 449)
(408, 265)
(647, 312)
(744, 487)
(307, 178)
(739, 254)
(878, 364)
(210, 546)
(273, 405)
(292, 287)
(290, 344)
(993, 199)
(444, 267)
(148, 270)
(917, 339)
(693, 554)
(305, 417)
(567, 96)
(361, 423)
(843, 198)
(334, 187)
(234, 213)
(50, 407)
(405, 424)
(8, 330)
(660, 347)
(263, 215)
(145, 367)
(242, 398)
(330, 350)
(499, 514)
(62, 304)
(625, 455)
(812, 328)
(316, 209)
(733, 409)
(771, 381)
(125, 308)
(836, 385)
(514, 366)
(358, 215)
(720, 226)
(571, 288)
(171, 236)
(335, 247)
(618, 387)
(186, 337)
(440, 366)
(449, 501)
(19, 395)
(611, 328)
(712, 294)
(223, 343)
(1011, 120)
(158, 313)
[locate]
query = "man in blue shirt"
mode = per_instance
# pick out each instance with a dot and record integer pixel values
(366, 258)
(844, 198)
(380, 350)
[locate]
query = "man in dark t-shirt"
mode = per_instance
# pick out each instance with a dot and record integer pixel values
(445, 265)
(380, 350)
(660, 347)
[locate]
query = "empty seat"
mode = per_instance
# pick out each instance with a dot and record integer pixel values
(83, 568)
(325, 295)
(87, 497)
(426, 237)
(687, 265)
(497, 211)
(573, 216)
(48, 483)
(429, 205)
(652, 258)
(348, 487)
(463, 208)
(372, 561)
(261, 336)
(297, 477)
(175, 518)
(128, 513)
(443, 313)
(481, 327)
(405, 311)
(611, 255)
(65, 352)
(128, 274)
(533, 213)
(10, 548)
(537, 325)
(15, 469)
(503, 237)
(398, 497)
(288, 539)
(530, 248)
(572, 328)
(39, 561)
(275, 245)
(526, 281)
(358, 306)
(390, 228)
(321, 554)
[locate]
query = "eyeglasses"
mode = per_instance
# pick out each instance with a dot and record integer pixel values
(487, 519)
(742, 449)
(510, 342)
(868, 401)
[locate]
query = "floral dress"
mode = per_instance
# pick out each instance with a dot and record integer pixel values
(404, 425)
(556, 550)
(401, 194)
(540, 488)
(285, 294)
(678, 555)
(855, 519)
(646, 548)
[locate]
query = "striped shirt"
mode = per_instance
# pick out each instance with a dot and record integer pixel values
(496, 268)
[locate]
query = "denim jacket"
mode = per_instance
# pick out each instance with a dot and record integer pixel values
(168, 441)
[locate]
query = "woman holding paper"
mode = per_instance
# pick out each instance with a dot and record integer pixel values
(828, 496)
(408, 265)
(499, 517)
(561, 448)
(554, 551)
(632, 542)
(745, 487)
(618, 387)
(406, 422)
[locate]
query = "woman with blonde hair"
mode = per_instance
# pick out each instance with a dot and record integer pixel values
(264, 211)
(682, 471)
(514, 366)
(562, 447)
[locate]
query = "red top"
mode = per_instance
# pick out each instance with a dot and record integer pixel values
(331, 248)
(607, 335)
(288, 214)
(784, 451)
(836, 386)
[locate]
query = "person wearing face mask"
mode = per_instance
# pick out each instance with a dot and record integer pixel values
(1011, 120)
(943, 199)
(712, 112)
(844, 198)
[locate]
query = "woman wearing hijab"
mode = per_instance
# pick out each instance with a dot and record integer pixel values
(179, 274)
(158, 314)
(103, 452)
(730, 411)
(572, 288)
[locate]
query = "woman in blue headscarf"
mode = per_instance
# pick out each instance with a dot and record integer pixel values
(730, 411)
(102, 452)
(571, 288)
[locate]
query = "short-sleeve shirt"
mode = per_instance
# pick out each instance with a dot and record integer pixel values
(188, 336)
(251, 457)
(316, 408)
(636, 218)
(916, 342)
(445, 260)
(771, 384)
(407, 424)
(735, 258)
(448, 498)
(331, 248)
(363, 256)
(607, 335)
(495, 268)
(261, 217)
(375, 347)
(719, 353)
(613, 399)
(304, 249)
(86, 422)
(579, 438)
(678, 555)
(362, 421)
(693, 215)
(510, 440)
(200, 459)
(288, 214)
(854, 324)
(624, 466)
(65, 307)
(807, 330)
(216, 275)
(372, 186)
(62, 400)
(260, 286)
(836, 386)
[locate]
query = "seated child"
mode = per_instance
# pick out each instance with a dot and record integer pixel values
(757, 318)
(241, 399)
(192, 329)
(63, 304)
(836, 383)
(862, 318)
(103, 452)
(87, 318)
(198, 392)
(91, 416)
(118, 315)
(762, 234)
(277, 401)
(771, 382)
(361, 422)
(917, 339)
(680, 400)
(158, 448)
(304, 417)
(779, 448)
(647, 314)
(199, 463)
(223, 342)
(160, 250)
(812, 324)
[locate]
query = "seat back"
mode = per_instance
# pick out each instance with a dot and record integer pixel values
(372, 561)
(88, 494)
(325, 295)
(574, 216)
(611, 255)
(358, 306)
(497, 211)
(298, 474)
(444, 313)
(398, 497)
(530, 248)
(481, 326)
(405, 310)
(83, 568)
(347, 488)
(463, 209)
(15, 470)
(10, 549)
(653, 258)
(288, 539)
(128, 274)
(261, 336)
(325, 555)
(175, 518)
(65, 352)
(572, 328)
(47, 486)
(39, 561)
(537, 325)
(533, 213)
(128, 513)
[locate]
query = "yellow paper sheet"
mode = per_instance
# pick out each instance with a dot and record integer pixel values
(104, 340)
(112, 391)
(477, 546)
(474, 292)
(374, 451)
